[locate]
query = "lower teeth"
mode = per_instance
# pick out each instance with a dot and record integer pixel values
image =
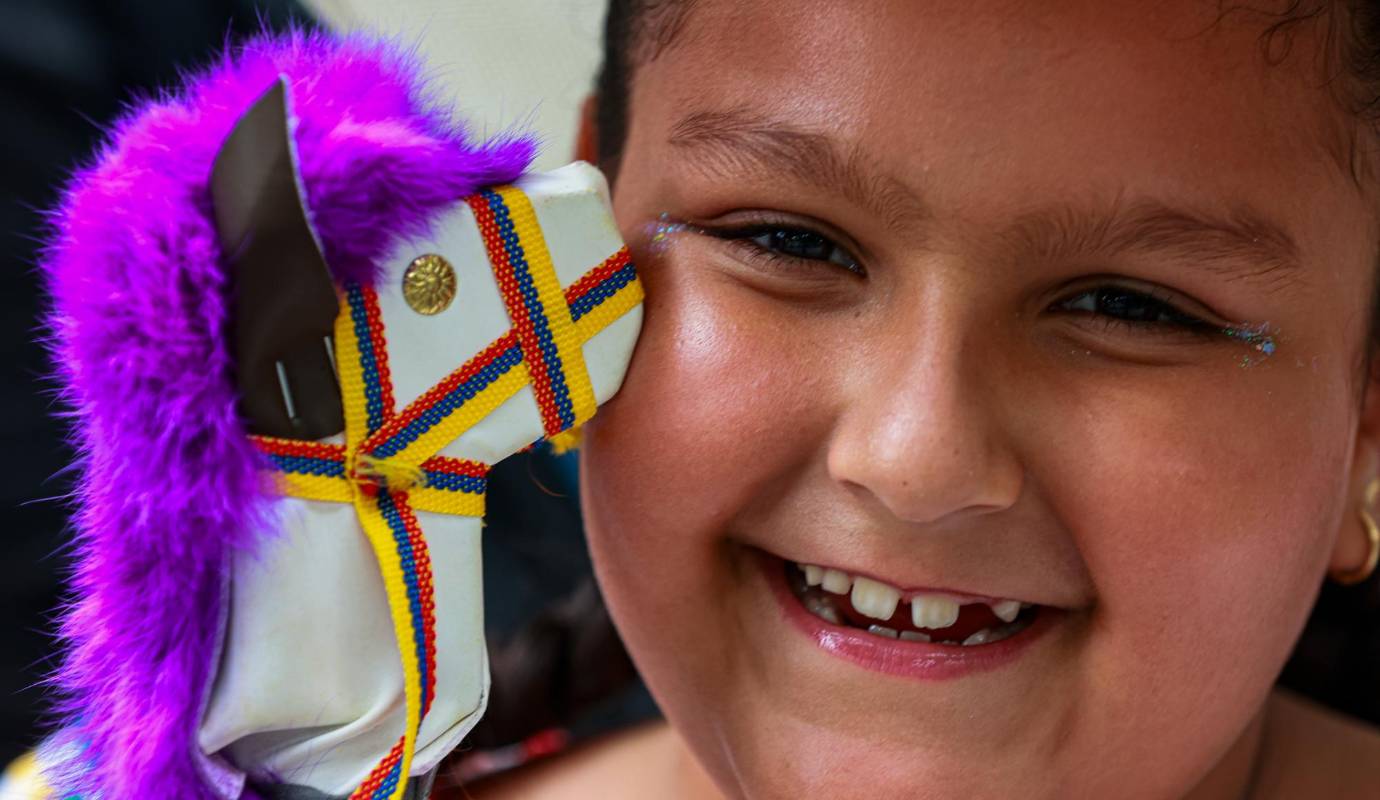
(823, 608)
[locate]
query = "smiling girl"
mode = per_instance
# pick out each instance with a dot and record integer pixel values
(1003, 400)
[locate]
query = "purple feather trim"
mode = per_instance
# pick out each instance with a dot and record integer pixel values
(169, 489)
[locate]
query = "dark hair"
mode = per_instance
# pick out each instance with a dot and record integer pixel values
(634, 31)
(1337, 657)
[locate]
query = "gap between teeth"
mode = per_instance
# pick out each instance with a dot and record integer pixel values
(875, 599)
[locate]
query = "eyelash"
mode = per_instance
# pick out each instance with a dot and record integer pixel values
(1169, 319)
(747, 238)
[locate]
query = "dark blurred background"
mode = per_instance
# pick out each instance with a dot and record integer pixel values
(67, 68)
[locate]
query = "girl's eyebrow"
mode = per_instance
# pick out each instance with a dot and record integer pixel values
(1241, 245)
(732, 141)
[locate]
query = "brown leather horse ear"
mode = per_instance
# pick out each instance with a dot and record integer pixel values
(284, 301)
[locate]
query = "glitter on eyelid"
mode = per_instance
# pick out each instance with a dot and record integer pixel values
(1260, 337)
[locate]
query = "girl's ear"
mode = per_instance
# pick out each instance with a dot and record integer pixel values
(1352, 547)
(587, 136)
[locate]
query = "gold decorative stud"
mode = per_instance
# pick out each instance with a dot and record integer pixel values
(429, 284)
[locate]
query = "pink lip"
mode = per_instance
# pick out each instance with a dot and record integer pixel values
(919, 660)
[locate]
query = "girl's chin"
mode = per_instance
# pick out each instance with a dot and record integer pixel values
(774, 754)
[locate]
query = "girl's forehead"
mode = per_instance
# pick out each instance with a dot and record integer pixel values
(907, 69)
(992, 103)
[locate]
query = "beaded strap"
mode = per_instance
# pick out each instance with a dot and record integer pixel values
(539, 312)
(390, 465)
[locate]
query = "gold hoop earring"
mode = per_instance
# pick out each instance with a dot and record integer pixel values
(1352, 577)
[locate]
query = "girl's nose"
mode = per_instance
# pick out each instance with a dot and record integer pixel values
(923, 434)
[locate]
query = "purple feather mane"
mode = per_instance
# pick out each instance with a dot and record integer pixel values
(169, 487)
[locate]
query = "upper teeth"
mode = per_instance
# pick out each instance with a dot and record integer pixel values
(878, 600)
(874, 598)
(1006, 610)
(933, 612)
(835, 581)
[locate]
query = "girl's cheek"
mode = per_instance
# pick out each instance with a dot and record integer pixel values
(719, 396)
(1203, 513)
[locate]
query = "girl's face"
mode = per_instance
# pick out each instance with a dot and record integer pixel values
(1050, 303)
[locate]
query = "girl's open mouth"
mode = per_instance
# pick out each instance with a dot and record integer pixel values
(881, 610)
(929, 635)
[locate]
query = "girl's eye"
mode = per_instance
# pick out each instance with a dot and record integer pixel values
(784, 243)
(1120, 306)
(1111, 305)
